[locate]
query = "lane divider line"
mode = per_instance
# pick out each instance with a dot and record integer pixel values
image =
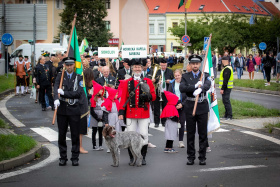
(232, 168)
(274, 140)
(47, 133)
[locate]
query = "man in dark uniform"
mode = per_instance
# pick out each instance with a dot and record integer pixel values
(145, 72)
(106, 77)
(149, 66)
(162, 78)
(122, 73)
(43, 79)
(97, 72)
(94, 62)
(68, 112)
(192, 86)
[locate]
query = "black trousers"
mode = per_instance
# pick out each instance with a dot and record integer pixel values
(182, 119)
(21, 81)
(93, 139)
(267, 73)
(28, 81)
(46, 90)
(227, 104)
(62, 122)
(169, 144)
(157, 104)
(201, 122)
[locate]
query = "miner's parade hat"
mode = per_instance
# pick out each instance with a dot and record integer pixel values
(69, 60)
(195, 58)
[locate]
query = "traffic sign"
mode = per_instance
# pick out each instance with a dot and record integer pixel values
(206, 39)
(262, 46)
(254, 49)
(7, 39)
(186, 39)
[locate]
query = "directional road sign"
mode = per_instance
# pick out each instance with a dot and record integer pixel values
(186, 39)
(7, 39)
(262, 46)
(205, 43)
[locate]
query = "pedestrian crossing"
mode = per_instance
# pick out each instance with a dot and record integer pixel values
(52, 135)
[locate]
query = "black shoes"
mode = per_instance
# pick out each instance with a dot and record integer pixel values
(144, 162)
(75, 162)
(43, 109)
(156, 125)
(163, 125)
(190, 162)
(202, 162)
(130, 162)
(62, 162)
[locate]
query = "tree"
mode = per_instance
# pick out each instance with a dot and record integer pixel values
(90, 22)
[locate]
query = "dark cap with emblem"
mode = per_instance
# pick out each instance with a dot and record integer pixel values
(136, 62)
(87, 56)
(52, 54)
(126, 60)
(25, 56)
(144, 61)
(69, 60)
(195, 58)
(102, 62)
(20, 56)
(162, 60)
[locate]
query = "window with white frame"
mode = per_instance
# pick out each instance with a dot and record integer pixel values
(58, 4)
(152, 28)
(161, 28)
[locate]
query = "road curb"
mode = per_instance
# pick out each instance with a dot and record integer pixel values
(229, 123)
(7, 92)
(254, 90)
(22, 159)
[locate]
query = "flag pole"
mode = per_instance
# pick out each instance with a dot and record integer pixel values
(63, 70)
(202, 73)
(186, 47)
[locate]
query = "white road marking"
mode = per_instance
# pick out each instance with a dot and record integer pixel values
(233, 168)
(7, 114)
(54, 154)
(274, 140)
(47, 133)
(222, 130)
(161, 128)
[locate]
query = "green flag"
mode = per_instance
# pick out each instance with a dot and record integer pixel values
(74, 52)
(181, 3)
(83, 46)
(214, 119)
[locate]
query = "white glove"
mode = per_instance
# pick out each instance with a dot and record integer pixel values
(197, 92)
(60, 91)
(197, 84)
(56, 103)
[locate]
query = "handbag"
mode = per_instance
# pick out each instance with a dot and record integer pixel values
(33, 93)
(179, 125)
(100, 124)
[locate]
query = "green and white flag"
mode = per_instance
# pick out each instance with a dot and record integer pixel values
(83, 46)
(214, 119)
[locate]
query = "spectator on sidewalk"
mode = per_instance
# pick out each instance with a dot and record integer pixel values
(267, 63)
(214, 62)
(278, 67)
(232, 61)
(239, 65)
(220, 63)
(250, 66)
(258, 62)
(226, 84)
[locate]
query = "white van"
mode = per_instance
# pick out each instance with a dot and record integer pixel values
(40, 48)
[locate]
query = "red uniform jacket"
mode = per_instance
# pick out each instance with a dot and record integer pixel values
(136, 112)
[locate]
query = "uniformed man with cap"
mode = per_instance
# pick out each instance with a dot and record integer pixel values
(135, 102)
(145, 72)
(192, 86)
(68, 112)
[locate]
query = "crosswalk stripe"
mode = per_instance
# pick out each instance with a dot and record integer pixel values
(48, 133)
(274, 140)
(232, 168)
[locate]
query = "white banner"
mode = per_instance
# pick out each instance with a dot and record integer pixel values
(134, 51)
(108, 52)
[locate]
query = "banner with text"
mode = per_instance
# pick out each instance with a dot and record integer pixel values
(134, 51)
(108, 52)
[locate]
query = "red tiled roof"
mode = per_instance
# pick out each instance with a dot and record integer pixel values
(271, 8)
(171, 6)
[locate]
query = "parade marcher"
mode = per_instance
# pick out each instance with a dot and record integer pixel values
(192, 86)
(99, 117)
(145, 72)
(68, 112)
(106, 79)
(98, 72)
(20, 73)
(149, 66)
(124, 72)
(43, 79)
(162, 78)
(174, 88)
(226, 84)
(172, 118)
(135, 100)
(28, 67)
(94, 62)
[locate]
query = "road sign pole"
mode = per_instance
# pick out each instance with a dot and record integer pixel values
(6, 54)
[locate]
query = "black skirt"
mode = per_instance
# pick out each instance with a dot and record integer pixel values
(83, 125)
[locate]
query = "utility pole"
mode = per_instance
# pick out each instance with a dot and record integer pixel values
(185, 26)
(34, 36)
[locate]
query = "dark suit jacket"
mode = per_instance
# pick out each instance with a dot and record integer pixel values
(121, 75)
(168, 76)
(111, 80)
(237, 64)
(187, 86)
(65, 108)
(43, 75)
(96, 74)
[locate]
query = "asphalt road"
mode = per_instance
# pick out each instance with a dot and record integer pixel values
(236, 159)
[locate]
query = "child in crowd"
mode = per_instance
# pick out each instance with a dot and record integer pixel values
(171, 126)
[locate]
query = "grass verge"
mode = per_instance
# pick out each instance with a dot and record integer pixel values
(12, 146)
(241, 110)
(270, 126)
(7, 83)
(3, 124)
(257, 84)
